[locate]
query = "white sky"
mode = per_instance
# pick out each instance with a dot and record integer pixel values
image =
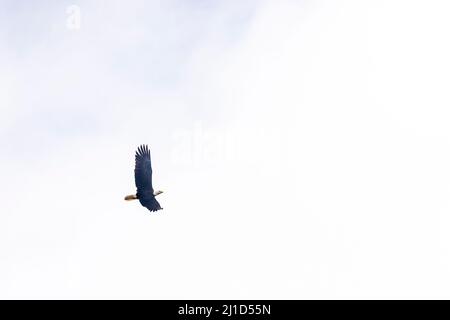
(303, 147)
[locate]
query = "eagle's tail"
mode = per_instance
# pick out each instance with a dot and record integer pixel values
(131, 197)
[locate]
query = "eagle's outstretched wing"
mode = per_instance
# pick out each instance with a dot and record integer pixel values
(143, 170)
(143, 179)
(150, 203)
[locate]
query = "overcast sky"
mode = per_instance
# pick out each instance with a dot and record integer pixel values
(303, 148)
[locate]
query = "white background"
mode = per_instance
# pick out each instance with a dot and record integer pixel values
(303, 147)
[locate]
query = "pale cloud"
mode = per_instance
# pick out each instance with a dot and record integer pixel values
(302, 148)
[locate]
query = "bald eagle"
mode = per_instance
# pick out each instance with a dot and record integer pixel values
(143, 180)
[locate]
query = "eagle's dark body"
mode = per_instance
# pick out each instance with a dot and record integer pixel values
(143, 179)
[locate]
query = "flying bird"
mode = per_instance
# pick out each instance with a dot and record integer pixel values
(143, 180)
